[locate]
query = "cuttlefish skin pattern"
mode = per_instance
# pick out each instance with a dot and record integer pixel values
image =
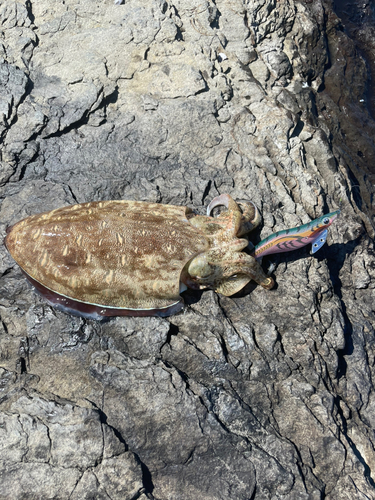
(106, 254)
(115, 258)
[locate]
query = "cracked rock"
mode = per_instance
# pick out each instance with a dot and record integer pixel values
(264, 395)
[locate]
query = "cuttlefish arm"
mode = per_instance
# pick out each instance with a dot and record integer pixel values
(314, 232)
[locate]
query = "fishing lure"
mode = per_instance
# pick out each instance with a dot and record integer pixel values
(314, 232)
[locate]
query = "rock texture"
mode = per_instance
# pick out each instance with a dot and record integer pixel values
(358, 19)
(267, 395)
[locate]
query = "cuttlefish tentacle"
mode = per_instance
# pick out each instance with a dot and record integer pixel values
(218, 201)
(243, 270)
(233, 211)
(250, 216)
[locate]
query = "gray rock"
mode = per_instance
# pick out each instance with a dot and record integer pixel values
(265, 395)
(51, 450)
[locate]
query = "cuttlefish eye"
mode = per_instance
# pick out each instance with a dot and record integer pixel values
(326, 221)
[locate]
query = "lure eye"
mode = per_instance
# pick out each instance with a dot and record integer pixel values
(326, 221)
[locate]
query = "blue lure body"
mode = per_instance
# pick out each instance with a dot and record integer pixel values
(314, 232)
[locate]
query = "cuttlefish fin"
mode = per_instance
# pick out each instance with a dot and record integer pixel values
(319, 241)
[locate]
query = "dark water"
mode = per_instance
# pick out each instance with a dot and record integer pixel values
(358, 19)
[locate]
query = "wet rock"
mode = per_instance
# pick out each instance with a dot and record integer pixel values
(264, 395)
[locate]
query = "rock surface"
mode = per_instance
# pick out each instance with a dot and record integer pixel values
(266, 395)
